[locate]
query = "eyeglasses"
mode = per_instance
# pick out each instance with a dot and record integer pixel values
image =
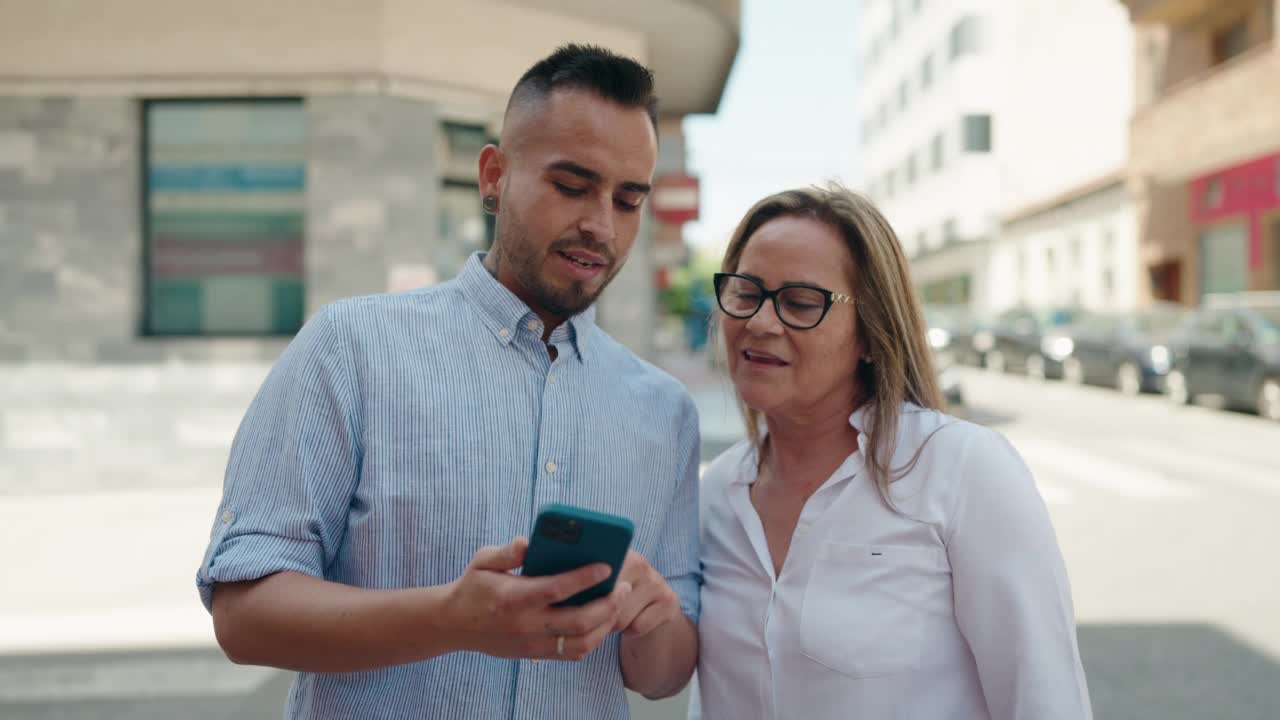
(798, 306)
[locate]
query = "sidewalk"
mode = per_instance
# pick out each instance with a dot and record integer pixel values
(712, 391)
(114, 569)
(96, 572)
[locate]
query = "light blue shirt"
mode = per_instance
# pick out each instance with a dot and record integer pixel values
(399, 433)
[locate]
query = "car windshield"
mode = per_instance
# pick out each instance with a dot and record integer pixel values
(1270, 324)
(1159, 322)
(1057, 318)
(936, 317)
(944, 316)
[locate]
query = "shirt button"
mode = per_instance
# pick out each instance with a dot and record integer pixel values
(551, 378)
(226, 516)
(551, 467)
(533, 325)
(504, 332)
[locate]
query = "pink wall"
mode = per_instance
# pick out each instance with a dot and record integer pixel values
(1248, 191)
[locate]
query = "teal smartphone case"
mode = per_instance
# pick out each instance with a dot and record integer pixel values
(565, 538)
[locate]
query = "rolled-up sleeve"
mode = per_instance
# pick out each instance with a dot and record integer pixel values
(1012, 598)
(293, 467)
(677, 553)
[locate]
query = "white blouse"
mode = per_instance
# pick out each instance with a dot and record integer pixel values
(957, 608)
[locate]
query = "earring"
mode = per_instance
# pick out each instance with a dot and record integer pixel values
(490, 204)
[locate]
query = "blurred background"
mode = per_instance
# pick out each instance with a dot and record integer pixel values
(1088, 191)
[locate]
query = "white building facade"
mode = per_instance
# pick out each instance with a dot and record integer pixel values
(993, 135)
(931, 89)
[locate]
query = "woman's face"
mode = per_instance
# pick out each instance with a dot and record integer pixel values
(777, 369)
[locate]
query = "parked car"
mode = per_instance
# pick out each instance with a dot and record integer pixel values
(970, 336)
(1128, 350)
(942, 322)
(1231, 349)
(1020, 340)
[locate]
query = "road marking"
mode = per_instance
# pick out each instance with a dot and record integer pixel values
(1087, 468)
(106, 630)
(1211, 469)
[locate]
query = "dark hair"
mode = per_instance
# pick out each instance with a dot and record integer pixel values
(608, 74)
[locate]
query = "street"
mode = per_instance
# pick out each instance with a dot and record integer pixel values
(1166, 517)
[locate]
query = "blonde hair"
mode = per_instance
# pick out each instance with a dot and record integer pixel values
(897, 365)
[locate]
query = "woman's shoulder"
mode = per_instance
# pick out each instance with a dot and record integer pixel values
(735, 464)
(936, 431)
(946, 453)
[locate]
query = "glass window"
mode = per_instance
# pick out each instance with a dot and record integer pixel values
(1211, 324)
(911, 169)
(1214, 192)
(1236, 330)
(223, 215)
(1269, 325)
(1224, 259)
(1058, 317)
(977, 133)
(462, 145)
(968, 37)
(1231, 41)
(936, 151)
(926, 73)
(1160, 320)
(464, 226)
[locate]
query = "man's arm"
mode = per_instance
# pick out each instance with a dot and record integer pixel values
(659, 647)
(297, 622)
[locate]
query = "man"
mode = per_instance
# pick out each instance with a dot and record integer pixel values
(401, 442)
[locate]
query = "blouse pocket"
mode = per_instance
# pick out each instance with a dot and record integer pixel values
(863, 612)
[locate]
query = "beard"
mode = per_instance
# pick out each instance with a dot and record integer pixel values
(559, 297)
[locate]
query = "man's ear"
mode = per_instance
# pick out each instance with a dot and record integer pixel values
(493, 166)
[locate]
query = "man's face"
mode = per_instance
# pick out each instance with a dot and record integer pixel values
(571, 176)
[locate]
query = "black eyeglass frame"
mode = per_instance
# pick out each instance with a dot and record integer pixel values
(829, 298)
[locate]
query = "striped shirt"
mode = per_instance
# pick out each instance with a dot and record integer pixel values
(399, 433)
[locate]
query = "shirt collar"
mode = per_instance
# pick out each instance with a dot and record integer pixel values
(504, 314)
(862, 419)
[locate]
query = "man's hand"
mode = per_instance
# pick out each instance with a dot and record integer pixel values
(492, 611)
(651, 602)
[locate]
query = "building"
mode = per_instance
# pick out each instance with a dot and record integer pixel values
(994, 146)
(182, 183)
(1068, 231)
(930, 91)
(1205, 139)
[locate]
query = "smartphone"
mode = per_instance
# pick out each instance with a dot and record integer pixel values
(566, 538)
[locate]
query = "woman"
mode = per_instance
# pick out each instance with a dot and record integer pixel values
(864, 554)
